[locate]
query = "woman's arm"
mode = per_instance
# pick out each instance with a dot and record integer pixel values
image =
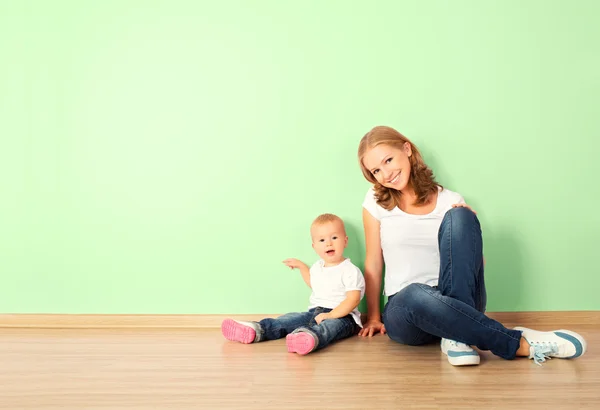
(373, 275)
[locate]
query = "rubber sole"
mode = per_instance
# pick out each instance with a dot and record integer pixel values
(579, 339)
(460, 359)
(236, 332)
(467, 360)
(301, 343)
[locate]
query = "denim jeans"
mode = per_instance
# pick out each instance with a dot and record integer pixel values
(328, 331)
(454, 309)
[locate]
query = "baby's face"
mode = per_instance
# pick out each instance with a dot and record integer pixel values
(329, 241)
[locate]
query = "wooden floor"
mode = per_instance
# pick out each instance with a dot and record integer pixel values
(198, 369)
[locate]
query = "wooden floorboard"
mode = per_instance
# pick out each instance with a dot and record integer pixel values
(178, 321)
(198, 369)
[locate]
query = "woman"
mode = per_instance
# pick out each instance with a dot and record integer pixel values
(430, 242)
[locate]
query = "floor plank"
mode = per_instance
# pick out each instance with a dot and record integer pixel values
(198, 369)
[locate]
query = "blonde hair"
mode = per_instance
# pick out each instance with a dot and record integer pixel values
(421, 176)
(325, 218)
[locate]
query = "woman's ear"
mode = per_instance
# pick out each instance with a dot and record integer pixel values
(407, 149)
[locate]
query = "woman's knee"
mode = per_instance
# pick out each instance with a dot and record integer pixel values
(397, 326)
(415, 297)
(397, 317)
(400, 329)
(461, 213)
(459, 217)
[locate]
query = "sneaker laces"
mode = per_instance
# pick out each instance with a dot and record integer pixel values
(540, 351)
(454, 343)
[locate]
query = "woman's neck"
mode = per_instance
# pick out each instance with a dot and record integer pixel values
(408, 201)
(409, 192)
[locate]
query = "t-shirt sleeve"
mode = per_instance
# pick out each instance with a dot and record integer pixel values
(371, 205)
(353, 280)
(448, 199)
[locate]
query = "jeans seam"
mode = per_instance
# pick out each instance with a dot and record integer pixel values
(451, 267)
(465, 314)
(474, 236)
(481, 288)
(474, 261)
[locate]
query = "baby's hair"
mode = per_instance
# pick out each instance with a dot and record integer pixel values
(324, 218)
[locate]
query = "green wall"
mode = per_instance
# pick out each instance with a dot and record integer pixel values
(165, 156)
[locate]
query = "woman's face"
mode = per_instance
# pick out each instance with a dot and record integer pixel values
(390, 166)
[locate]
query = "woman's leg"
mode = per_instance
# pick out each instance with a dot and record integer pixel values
(460, 277)
(423, 312)
(461, 258)
(398, 324)
(461, 273)
(441, 312)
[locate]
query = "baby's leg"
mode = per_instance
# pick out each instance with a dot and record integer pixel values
(266, 329)
(308, 339)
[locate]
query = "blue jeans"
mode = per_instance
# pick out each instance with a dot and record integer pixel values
(420, 314)
(328, 331)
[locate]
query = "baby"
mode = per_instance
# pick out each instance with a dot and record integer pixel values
(337, 288)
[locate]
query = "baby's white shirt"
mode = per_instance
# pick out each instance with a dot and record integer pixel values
(330, 284)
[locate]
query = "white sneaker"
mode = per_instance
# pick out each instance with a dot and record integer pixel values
(459, 354)
(563, 344)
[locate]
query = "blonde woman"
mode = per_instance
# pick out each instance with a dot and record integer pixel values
(430, 243)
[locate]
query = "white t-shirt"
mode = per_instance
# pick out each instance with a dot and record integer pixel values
(410, 242)
(330, 284)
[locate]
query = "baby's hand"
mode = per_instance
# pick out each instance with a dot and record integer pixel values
(321, 317)
(294, 263)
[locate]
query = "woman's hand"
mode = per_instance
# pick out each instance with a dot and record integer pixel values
(464, 206)
(372, 327)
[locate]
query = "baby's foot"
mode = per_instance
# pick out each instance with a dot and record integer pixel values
(300, 342)
(238, 331)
